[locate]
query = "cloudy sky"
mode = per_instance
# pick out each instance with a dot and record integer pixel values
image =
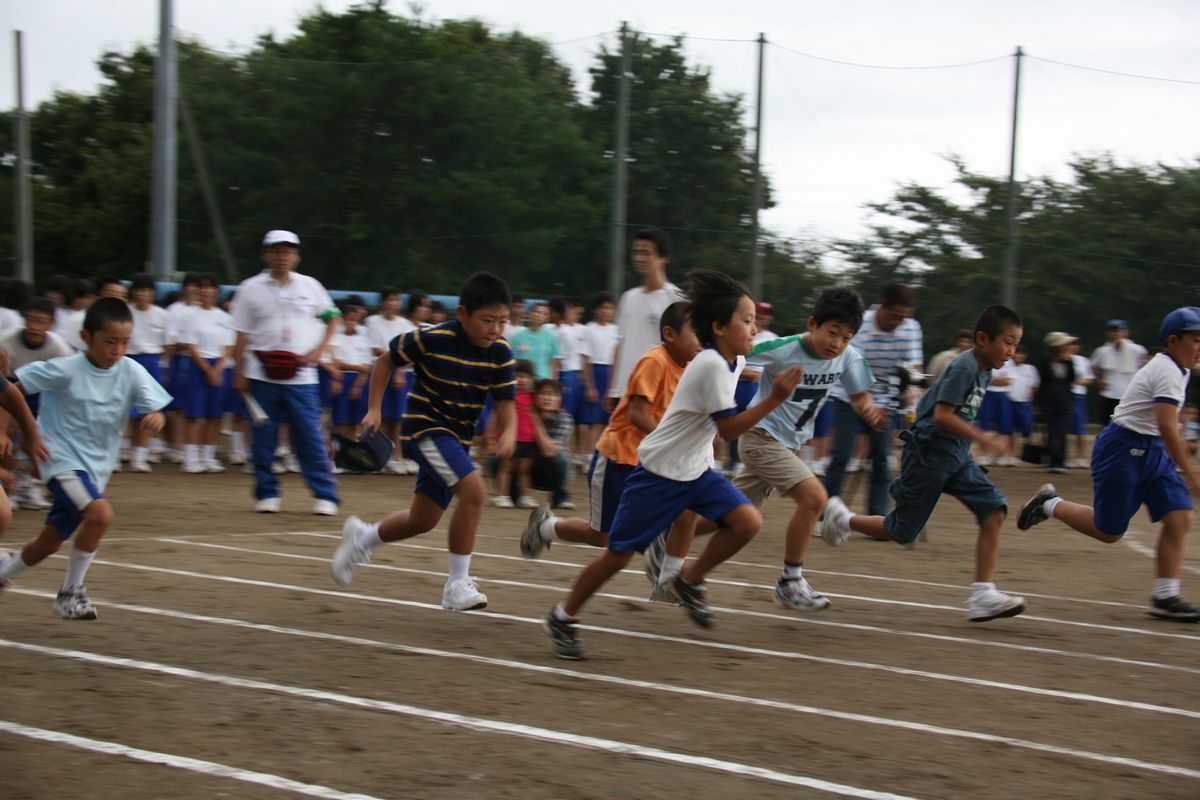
(836, 135)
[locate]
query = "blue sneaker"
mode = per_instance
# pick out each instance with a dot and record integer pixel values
(1174, 608)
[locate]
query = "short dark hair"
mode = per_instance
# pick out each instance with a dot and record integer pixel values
(143, 280)
(416, 298)
(659, 238)
(388, 291)
(481, 290)
(191, 279)
(995, 320)
(840, 305)
(523, 367)
(437, 305)
(714, 298)
(546, 383)
(83, 287)
(207, 279)
(104, 311)
(41, 305)
(963, 333)
(674, 316)
(558, 305)
(897, 294)
(574, 302)
(603, 297)
(108, 280)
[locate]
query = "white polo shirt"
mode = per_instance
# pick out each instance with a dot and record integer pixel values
(638, 315)
(278, 316)
(1118, 366)
(1160, 381)
(381, 330)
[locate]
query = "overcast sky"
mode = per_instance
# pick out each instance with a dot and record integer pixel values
(835, 136)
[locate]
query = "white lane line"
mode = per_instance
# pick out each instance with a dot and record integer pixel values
(938, 676)
(180, 762)
(461, 721)
(793, 618)
(686, 691)
(1133, 540)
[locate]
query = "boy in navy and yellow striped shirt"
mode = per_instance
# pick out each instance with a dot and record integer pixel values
(456, 365)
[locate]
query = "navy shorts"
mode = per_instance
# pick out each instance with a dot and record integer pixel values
(152, 362)
(824, 424)
(572, 391)
(73, 492)
(1022, 418)
(443, 462)
(203, 400)
(651, 503)
(606, 482)
(347, 410)
(234, 402)
(394, 400)
(1079, 416)
(1128, 470)
(594, 413)
(924, 480)
(178, 374)
(995, 413)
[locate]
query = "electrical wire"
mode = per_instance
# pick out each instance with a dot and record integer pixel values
(1113, 71)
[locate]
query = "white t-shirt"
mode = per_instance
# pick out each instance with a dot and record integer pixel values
(1118, 366)
(681, 447)
(209, 330)
(10, 318)
(638, 315)
(67, 324)
(281, 317)
(570, 346)
(177, 318)
(1025, 381)
(149, 330)
(1160, 381)
(1004, 372)
(599, 342)
(1083, 369)
(354, 348)
(381, 330)
(20, 354)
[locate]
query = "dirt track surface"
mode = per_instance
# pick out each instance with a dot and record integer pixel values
(222, 639)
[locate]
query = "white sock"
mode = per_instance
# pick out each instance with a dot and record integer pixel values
(13, 566)
(980, 587)
(1050, 505)
(124, 443)
(547, 530)
(561, 615)
(792, 572)
(191, 453)
(670, 568)
(210, 453)
(459, 566)
(237, 442)
(156, 445)
(1166, 587)
(140, 454)
(77, 567)
(369, 538)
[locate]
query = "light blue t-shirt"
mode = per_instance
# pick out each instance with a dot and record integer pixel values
(792, 421)
(539, 347)
(84, 410)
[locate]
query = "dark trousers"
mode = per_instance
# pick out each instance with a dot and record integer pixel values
(846, 427)
(1057, 423)
(1107, 406)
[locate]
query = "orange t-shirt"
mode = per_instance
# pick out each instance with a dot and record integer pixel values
(654, 377)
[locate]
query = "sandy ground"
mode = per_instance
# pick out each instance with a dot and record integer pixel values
(222, 639)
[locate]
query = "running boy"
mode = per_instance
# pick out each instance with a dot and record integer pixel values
(456, 365)
(675, 472)
(86, 399)
(1139, 458)
(937, 460)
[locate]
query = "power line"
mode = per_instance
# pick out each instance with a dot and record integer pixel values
(1114, 72)
(887, 66)
(693, 38)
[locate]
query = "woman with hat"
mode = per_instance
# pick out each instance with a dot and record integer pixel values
(1055, 399)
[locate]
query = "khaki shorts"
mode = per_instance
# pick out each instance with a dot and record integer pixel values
(769, 465)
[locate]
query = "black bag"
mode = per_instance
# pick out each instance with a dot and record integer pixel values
(1035, 453)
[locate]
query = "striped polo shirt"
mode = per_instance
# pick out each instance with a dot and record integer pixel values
(453, 378)
(885, 352)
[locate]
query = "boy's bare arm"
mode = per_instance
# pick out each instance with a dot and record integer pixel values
(506, 414)
(12, 400)
(381, 371)
(945, 418)
(1167, 417)
(785, 383)
(871, 414)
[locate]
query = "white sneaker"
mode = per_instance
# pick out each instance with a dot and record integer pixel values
(526, 502)
(214, 466)
(247, 469)
(156, 456)
(411, 467)
(325, 508)
(349, 554)
(395, 468)
(236, 458)
(140, 466)
(1006, 461)
(461, 595)
(30, 494)
(834, 526)
(985, 461)
(278, 467)
(566, 505)
(798, 594)
(1080, 463)
(268, 505)
(504, 501)
(125, 454)
(993, 604)
(194, 467)
(5, 583)
(74, 604)
(532, 543)
(290, 462)
(819, 467)
(174, 456)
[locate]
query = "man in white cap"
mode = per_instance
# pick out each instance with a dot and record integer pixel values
(284, 322)
(1115, 364)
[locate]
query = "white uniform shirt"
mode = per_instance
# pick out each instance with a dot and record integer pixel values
(1004, 372)
(281, 317)
(20, 354)
(10, 318)
(177, 318)
(381, 330)
(1118, 366)
(149, 330)
(1160, 381)
(1025, 381)
(67, 324)
(1083, 369)
(681, 447)
(209, 330)
(570, 346)
(599, 342)
(638, 315)
(353, 348)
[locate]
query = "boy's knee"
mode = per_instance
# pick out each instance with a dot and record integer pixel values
(744, 523)
(470, 491)
(810, 495)
(98, 513)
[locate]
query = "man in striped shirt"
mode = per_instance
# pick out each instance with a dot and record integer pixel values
(456, 365)
(891, 340)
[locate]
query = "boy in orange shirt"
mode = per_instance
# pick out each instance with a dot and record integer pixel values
(648, 393)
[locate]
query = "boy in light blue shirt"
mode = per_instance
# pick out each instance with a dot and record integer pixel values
(538, 344)
(85, 400)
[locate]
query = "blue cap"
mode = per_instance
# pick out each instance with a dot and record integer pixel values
(1116, 323)
(369, 453)
(1181, 320)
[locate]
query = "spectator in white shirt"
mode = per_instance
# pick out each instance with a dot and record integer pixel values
(1116, 363)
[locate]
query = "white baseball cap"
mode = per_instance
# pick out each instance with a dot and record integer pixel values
(280, 237)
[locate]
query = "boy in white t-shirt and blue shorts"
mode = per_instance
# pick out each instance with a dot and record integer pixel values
(1140, 459)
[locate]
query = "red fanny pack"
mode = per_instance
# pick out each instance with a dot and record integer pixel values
(279, 365)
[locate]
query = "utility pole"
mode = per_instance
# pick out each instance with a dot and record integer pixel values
(162, 199)
(616, 249)
(756, 197)
(196, 148)
(1010, 226)
(23, 199)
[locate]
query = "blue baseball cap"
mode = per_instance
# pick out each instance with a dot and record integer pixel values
(1181, 320)
(1116, 324)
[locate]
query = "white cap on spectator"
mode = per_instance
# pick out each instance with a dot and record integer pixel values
(281, 237)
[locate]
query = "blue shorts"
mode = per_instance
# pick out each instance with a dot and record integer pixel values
(651, 503)
(995, 413)
(923, 480)
(394, 400)
(152, 363)
(824, 424)
(325, 388)
(443, 462)
(594, 413)
(1128, 470)
(234, 402)
(347, 410)
(1022, 418)
(205, 401)
(178, 374)
(73, 492)
(1079, 416)
(606, 482)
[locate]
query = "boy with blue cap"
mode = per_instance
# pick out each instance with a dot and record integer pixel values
(1140, 458)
